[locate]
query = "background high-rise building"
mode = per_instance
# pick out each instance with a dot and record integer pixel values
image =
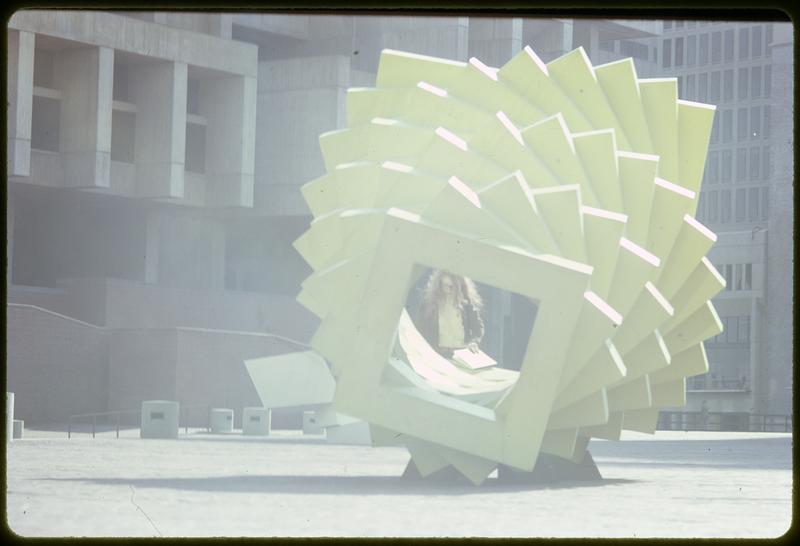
(745, 69)
(155, 161)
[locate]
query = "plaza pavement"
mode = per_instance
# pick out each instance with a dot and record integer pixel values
(672, 484)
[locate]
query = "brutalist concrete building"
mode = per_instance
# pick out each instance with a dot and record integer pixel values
(155, 161)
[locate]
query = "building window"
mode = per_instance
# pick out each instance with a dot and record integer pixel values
(716, 47)
(195, 148)
(725, 206)
(713, 167)
(123, 136)
(752, 212)
(731, 330)
(768, 47)
(727, 125)
(713, 206)
(744, 327)
(756, 41)
(700, 213)
(727, 86)
(728, 277)
(120, 89)
(678, 51)
(764, 202)
(678, 24)
(681, 91)
(607, 45)
(690, 86)
(741, 124)
(765, 163)
(45, 126)
(703, 87)
(741, 197)
(755, 82)
(193, 96)
(742, 82)
(755, 164)
(729, 45)
(703, 50)
(713, 93)
(741, 164)
(744, 43)
(43, 68)
(748, 277)
(691, 50)
(767, 80)
(738, 274)
(755, 122)
(727, 165)
(667, 25)
(765, 129)
(666, 51)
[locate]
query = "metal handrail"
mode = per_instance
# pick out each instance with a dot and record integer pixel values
(184, 409)
(750, 422)
(94, 417)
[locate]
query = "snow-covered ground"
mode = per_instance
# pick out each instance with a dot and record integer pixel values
(673, 484)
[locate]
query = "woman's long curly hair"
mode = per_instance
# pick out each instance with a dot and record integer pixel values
(466, 291)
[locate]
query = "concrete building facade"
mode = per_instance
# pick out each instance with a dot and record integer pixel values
(154, 167)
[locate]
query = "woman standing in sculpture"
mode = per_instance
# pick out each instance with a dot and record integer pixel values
(449, 314)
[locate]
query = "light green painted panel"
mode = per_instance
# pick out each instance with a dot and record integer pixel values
(597, 322)
(702, 324)
(635, 266)
(591, 410)
(670, 202)
(609, 431)
(693, 242)
(649, 311)
(528, 75)
(641, 420)
(659, 100)
(689, 362)
(561, 209)
(694, 131)
(602, 230)
(597, 153)
(671, 394)
(704, 283)
(619, 83)
(511, 195)
(633, 395)
(637, 174)
(575, 75)
(606, 367)
(561, 442)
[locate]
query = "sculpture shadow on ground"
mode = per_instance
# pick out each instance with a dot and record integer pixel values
(327, 485)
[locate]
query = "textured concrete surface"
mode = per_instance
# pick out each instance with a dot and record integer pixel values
(672, 484)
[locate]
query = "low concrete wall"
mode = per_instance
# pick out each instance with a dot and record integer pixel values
(118, 303)
(56, 366)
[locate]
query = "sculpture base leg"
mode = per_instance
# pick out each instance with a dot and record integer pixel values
(551, 469)
(447, 475)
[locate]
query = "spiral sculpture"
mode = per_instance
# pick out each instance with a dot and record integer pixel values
(573, 185)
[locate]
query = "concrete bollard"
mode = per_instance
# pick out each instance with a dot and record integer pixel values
(9, 416)
(310, 424)
(221, 420)
(159, 419)
(19, 427)
(256, 421)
